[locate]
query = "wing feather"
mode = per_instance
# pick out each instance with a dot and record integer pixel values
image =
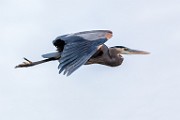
(78, 49)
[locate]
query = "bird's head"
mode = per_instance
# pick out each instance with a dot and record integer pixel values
(125, 50)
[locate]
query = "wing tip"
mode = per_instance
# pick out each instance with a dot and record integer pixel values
(109, 35)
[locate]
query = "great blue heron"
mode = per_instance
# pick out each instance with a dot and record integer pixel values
(84, 48)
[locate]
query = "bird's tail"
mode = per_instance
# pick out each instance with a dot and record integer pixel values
(52, 55)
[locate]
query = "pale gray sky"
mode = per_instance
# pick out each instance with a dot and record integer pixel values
(143, 88)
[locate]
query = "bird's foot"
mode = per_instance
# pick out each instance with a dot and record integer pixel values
(27, 63)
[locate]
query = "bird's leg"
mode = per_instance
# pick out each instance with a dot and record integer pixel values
(29, 63)
(27, 60)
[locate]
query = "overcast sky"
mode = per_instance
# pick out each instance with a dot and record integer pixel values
(142, 88)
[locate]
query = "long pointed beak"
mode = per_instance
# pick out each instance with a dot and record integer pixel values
(131, 51)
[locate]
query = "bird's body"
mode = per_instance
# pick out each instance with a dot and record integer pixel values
(84, 48)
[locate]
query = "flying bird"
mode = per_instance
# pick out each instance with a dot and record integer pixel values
(84, 48)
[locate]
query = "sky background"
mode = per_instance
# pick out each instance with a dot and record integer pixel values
(144, 87)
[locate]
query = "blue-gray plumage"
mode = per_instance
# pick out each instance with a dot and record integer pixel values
(83, 48)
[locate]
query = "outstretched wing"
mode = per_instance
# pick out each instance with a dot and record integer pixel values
(79, 47)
